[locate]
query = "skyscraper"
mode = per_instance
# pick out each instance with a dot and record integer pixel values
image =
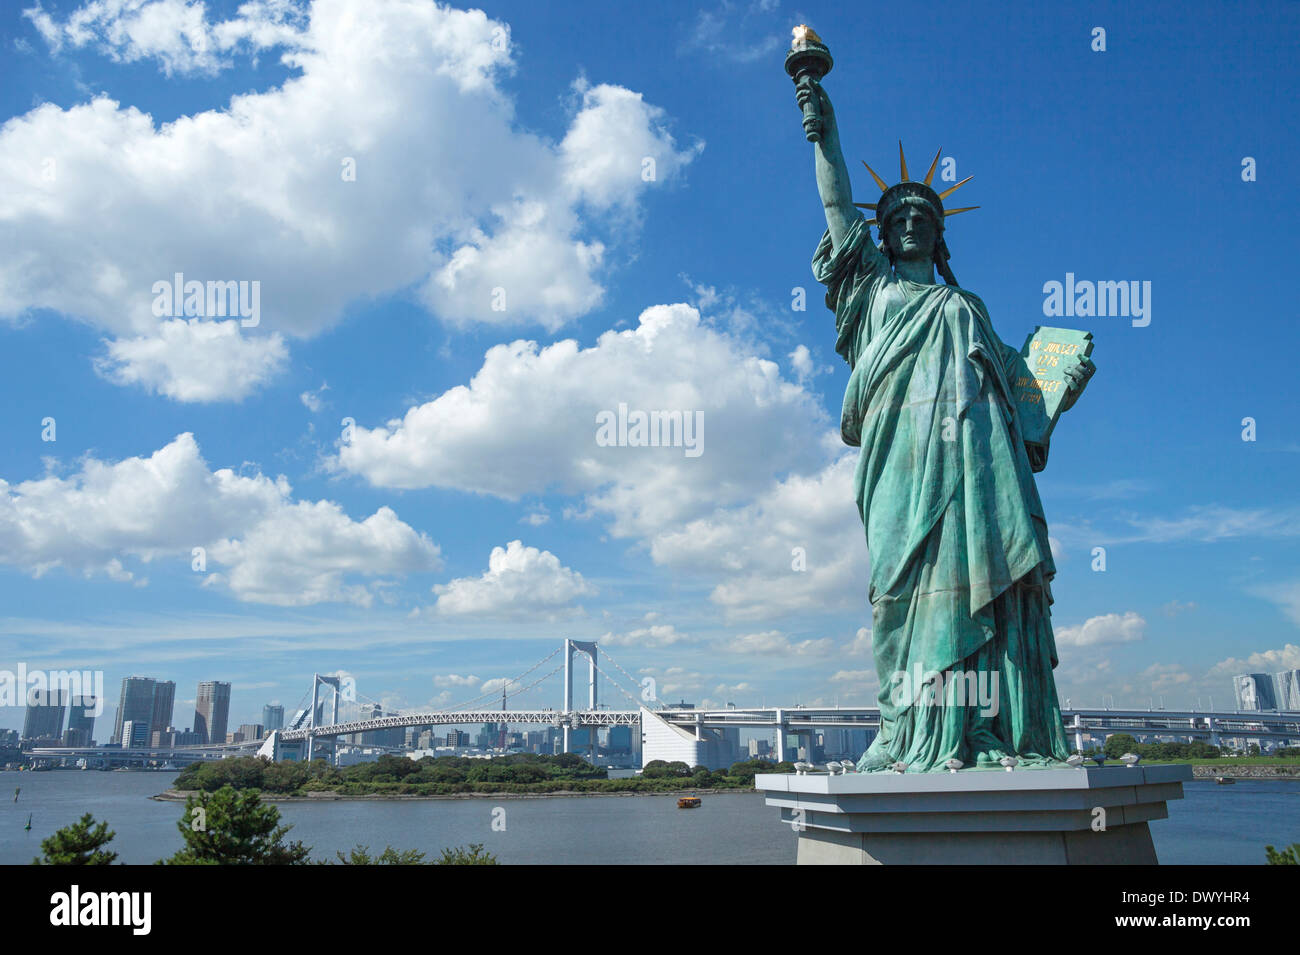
(620, 739)
(164, 701)
(250, 731)
(81, 722)
(44, 719)
(273, 717)
(135, 704)
(135, 734)
(212, 711)
(1254, 691)
(1286, 689)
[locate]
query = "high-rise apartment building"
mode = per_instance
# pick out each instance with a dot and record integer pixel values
(164, 702)
(1286, 689)
(273, 717)
(212, 711)
(44, 718)
(1254, 691)
(81, 722)
(135, 734)
(134, 704)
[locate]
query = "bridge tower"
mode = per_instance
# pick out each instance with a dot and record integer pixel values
(316, 682)
(570, 648)
(501, 734)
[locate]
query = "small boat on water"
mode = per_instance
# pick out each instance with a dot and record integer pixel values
(688, 802)
(1224, 780)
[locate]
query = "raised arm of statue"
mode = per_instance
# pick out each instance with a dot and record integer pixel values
(832, 173)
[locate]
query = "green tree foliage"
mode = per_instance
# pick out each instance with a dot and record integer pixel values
(229, 827)
(81, 843)
(473, 854)
(1120, 743)
(253, 772)
(1288, 856)
(451, 775)
(659, 769)
(744, 772)
(360, 855)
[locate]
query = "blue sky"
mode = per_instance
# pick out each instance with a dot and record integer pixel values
(505, 149)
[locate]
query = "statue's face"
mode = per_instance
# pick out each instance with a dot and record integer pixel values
(911, 234)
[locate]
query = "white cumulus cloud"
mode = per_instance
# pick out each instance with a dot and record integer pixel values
(519, 580)
(774, 642)
(1127, 627)
(269, 548)
(390, 159)
(195, 360)
(654, 636)
(797, 546)
(540, 406)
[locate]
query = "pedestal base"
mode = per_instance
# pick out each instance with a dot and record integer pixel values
(1094, 816)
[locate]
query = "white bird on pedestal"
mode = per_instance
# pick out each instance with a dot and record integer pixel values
(1010, 762)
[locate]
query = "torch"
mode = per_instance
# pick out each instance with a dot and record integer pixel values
(807, 62)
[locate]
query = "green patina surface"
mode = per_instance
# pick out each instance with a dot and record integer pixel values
(960, 562)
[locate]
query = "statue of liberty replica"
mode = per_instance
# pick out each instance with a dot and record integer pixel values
(960, 563)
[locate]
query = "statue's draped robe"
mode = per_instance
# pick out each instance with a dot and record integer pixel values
(960, 562)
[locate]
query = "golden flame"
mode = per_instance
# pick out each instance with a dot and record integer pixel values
(804, 34)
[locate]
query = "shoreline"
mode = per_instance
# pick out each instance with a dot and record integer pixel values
(1199, 772)
(180, 795)
(1275, 771)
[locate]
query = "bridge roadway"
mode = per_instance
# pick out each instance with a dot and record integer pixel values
(1192, 724)
(467, 718)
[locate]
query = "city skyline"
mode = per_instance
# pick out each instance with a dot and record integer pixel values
(1279, 692)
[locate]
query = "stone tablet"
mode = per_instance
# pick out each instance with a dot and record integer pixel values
(1039, 378)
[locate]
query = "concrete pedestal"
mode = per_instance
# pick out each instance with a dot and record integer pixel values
(1095, 816)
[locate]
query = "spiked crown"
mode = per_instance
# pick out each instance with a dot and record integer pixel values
(911, 192)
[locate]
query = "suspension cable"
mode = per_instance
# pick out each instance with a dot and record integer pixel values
(493, 693)
(635, 681)
(614, 683)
